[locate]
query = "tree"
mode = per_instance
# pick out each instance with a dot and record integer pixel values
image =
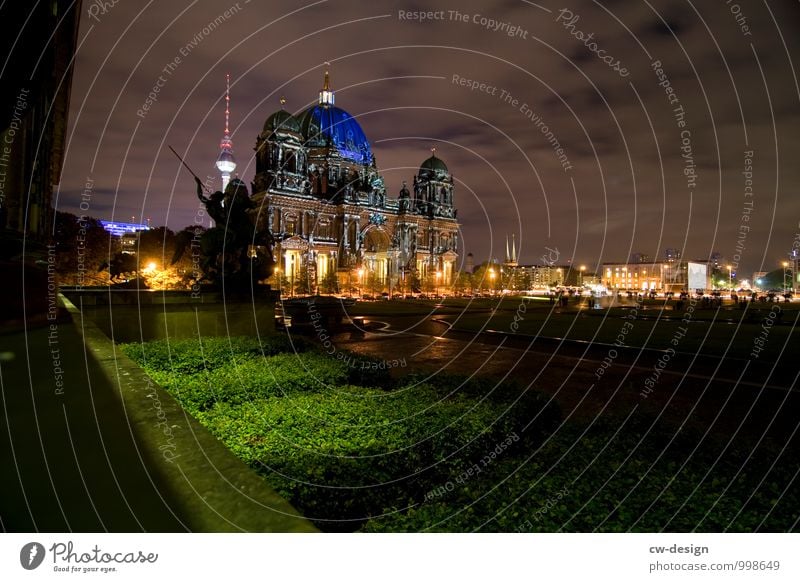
(82, 247)
(429, 282)
(330, 283)
(303, 285)
(156, 245)
(188, 265)
(373, 284)
(121, 267)
(775, 279)
(482, 277)
(463, 282)
(413, 282)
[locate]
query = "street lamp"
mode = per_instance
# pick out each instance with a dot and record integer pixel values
(583, 268)
(785, 265)
(730, 277)
(360, 276)
(438, 280)
(492, 275)
(277, 274)
(291, 271)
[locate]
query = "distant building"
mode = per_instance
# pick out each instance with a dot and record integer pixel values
(639, 258)
(121, 228)
(470, 266)
(538, 276)
(794, 262)
(674, 275)
(126, 234)
(633, 276)
(672, 255)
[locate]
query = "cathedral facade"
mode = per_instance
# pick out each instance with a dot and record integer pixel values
(320, 193)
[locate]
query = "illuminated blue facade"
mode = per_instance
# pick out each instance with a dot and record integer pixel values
(120, 228)
(329, 126)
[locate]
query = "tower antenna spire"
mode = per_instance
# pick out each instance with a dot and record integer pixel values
(227, 104)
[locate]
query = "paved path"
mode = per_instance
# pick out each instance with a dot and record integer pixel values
(708, 393)
(70, 462)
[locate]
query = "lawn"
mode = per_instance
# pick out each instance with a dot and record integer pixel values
(357, 450)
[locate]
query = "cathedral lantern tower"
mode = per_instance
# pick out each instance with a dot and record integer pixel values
(226, 163)
(326, 95)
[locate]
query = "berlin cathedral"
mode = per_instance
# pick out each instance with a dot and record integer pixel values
(326, 206)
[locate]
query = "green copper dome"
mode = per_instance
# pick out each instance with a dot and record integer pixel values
(433, 164)
(281, 120)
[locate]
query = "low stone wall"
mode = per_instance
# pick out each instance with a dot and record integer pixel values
(212, 490)
(129, 315)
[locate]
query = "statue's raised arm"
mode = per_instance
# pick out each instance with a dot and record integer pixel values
(202, 198)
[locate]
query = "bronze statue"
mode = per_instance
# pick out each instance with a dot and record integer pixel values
(236, 254)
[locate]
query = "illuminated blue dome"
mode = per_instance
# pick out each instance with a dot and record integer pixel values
(328, 126)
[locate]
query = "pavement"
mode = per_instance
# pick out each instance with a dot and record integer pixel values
(70, 461)
(725, 398)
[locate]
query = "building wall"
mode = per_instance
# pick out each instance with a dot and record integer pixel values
(34, 105)
(661, 276)
(633, 276)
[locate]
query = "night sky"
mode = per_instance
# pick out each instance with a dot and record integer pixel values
(731, 65)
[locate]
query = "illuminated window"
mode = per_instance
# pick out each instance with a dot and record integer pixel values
(291, 224)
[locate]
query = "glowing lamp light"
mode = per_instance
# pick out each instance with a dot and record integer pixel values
(226, 166)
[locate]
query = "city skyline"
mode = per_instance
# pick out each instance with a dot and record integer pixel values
(618, 182)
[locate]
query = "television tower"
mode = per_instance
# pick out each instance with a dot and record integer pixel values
(226, 163)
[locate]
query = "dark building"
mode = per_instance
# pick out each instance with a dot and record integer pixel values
(39, 41)
(38, 47)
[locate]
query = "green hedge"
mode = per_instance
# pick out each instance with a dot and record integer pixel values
(352, 448)
(245, 380)
(351, 452)
(595, 487)
(191, 356)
